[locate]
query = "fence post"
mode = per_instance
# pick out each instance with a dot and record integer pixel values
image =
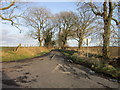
(19, 45)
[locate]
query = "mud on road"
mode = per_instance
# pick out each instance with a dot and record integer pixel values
(51, 71)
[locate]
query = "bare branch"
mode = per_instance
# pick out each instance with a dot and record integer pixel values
(117, 22)
(8, 19)
(115, 5)
(4, 8)
(95, 12)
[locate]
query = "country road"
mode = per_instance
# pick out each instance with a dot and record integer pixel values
(51, 71)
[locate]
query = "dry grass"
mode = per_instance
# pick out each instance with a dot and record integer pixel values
(22, 53)
(95, 64)
(114, 51)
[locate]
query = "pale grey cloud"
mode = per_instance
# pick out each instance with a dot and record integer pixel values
(11, 37)
(73, 43)
(14, 38)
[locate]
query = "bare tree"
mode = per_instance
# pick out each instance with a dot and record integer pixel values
(84, 24)
(107, 16)
(65, 26)
(38, 19)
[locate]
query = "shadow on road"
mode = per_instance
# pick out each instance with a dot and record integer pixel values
(7, 82)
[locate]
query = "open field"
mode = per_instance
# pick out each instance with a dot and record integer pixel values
(114, 51)
(8, 53)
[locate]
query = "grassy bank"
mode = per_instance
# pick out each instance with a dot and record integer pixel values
(8, 53)
(93, 63)
(114, 51)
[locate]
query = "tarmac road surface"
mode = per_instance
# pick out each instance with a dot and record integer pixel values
(51, 71)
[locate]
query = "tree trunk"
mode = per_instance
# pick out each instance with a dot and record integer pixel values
(39, 38)
(64, 42)
(59, 39)
(80, 42)
(40, 42)
(106, 36)
(106, 41)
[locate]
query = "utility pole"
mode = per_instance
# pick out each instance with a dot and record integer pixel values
(87, 46)
(87, 41)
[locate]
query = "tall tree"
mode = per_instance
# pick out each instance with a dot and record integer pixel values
(65, 26)
(38, 19)
(48, 35)
(107, 15)
(84, 24)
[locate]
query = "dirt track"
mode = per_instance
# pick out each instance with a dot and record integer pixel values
(51, 71)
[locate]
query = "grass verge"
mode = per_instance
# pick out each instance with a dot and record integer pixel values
(42, 53)
(93, 63)
(23, 53)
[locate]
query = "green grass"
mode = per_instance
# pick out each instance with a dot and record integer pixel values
(94, 64)
(14, 56)
(42, 53)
